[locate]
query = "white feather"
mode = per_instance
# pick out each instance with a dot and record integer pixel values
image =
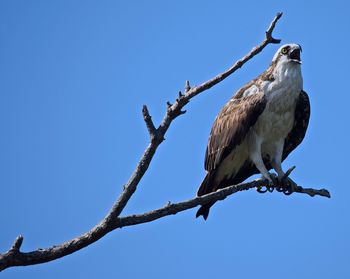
(275, 123)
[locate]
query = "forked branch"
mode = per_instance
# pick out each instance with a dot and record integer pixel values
(14, 257)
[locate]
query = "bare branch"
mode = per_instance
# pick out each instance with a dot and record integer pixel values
(288, 172)
(112, 221)
(17, 243)
(313, 192)
(221, 194)
(149, 123)
(270, 29)
(16, 258)
(187, 86)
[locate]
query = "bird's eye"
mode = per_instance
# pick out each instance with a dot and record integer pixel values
(284, 50)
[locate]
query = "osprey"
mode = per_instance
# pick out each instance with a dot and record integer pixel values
(258, 128)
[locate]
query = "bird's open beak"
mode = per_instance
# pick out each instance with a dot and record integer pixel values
(294, 55)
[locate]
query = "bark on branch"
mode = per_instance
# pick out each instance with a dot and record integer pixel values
(221, 194)
(14, 257)
(112, 221)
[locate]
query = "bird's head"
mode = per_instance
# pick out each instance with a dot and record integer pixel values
(289, 53)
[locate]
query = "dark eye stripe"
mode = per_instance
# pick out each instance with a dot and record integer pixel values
(285, 50)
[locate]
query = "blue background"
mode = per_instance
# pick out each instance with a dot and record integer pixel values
(73, 78)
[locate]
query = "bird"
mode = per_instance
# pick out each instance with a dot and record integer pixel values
(258, 127)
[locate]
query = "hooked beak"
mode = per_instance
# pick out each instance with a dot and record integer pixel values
(294, 55)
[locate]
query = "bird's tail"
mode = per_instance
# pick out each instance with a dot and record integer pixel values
(204, 210)
(207, 186)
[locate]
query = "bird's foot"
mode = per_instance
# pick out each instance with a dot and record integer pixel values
(282, 184)
(286, 185)
(272, 184)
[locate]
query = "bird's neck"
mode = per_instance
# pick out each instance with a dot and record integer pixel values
(287, 80)
(288, 71)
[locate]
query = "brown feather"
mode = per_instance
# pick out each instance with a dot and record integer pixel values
(301, 121)
(231, 126)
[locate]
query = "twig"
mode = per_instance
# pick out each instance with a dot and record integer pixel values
(313, 192)
(270, 29)
(149, 123)
(17, 243)
(288, 172)
(187, 86)
(16, 258)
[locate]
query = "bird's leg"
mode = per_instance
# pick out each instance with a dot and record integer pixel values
(259, 163)
(285, 184)
(256, 158)
(276, 161)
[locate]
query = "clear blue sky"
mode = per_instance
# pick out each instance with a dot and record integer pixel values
(73, 78)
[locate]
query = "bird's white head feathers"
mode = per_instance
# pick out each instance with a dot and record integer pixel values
(289, 53)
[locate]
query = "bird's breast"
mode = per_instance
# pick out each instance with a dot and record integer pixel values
(275, 124)
(278, 117)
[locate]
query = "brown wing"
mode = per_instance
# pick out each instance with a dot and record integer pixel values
(301, 122)
(231, 126)
(235, 120)
(229, 130)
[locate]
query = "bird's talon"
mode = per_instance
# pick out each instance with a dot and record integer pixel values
(289, 186)
(270, 188)
(261, 190)
(274, 180)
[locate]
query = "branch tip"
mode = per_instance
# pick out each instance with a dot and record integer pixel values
(314, 192)
(145, 111)
(187, 86)
(148, 120)
(288, 172)
(17, 243)
(326, 193)
(268, 32)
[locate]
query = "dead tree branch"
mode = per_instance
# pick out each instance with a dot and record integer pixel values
(221, 194)
(112, 221)
(15, 258)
